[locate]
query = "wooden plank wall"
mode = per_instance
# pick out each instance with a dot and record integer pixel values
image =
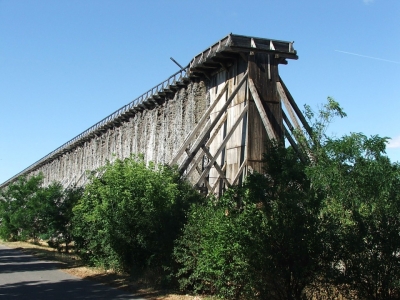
(248, 142)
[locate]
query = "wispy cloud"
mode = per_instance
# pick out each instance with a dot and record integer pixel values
(394, 142)
(371, 57)
(368, 1)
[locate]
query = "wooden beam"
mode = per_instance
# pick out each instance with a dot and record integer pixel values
(217, 181)
(196, 165)
(223, 144)
(260, 108)
(243, 56)
(216, 166)
(287, 121)
(209, 141)
(208, 185)
(201, 139)
(239, 172)
(256, 50)
(226, 54)
(296, 108)
(196, 162)
(289, 108)
(294, 145)
(302, 143)
(199, 125)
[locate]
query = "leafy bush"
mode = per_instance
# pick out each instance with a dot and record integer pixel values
(257, 241)
(213, 249)
(129, 216)
(332, 221)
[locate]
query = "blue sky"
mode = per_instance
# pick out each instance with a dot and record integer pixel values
(65, 65)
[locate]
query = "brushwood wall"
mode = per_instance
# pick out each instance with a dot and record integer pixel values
(212, 118)
(156, 133)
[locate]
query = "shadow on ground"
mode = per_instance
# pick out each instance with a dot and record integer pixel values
(25, 277)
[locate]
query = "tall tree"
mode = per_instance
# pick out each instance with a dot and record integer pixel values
(56, 209)
(17, 212)
(362, 208)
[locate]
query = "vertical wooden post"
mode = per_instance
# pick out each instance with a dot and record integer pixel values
(263, 70)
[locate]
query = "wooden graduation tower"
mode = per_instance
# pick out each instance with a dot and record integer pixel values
(211, 118)
(245, 95)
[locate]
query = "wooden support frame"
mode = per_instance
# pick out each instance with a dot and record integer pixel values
(216, 166)
(240, 171)
(261, 110)
(294, 111)
(199, 125)
(294, 145)
(218, 127)
(223, 144)
(261, 102)
(289, 108)
(295, 107)
(211, 191)
(203, 135)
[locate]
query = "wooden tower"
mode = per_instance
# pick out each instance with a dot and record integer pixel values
(245, 111)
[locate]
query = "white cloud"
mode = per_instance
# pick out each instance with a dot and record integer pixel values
(394, 142)
(368, 1)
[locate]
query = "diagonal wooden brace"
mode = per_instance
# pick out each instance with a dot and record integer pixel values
(217, 181)
(216, 166)
(302, 141)
(223, 144)
(261, 110)
(209, 141)
(295, 107)
(199, 125)
(203, 135)
(293, 144)
(239, 172)
(289, 108)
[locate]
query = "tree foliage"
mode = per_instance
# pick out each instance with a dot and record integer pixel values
(30, 211)
(20, 214)
(58, 214)
(261, 240)
(362, 207)
(129, 216)
(302, 227)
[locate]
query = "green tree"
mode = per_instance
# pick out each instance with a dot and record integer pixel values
(362, 208)
(360, 211)
(56, 209)
(18, 213)
(332, 221)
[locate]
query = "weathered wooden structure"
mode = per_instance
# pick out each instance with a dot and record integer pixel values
(212, 119)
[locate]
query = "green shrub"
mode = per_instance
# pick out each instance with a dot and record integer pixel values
(260, 240)
(215, 249)
(129, 216)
